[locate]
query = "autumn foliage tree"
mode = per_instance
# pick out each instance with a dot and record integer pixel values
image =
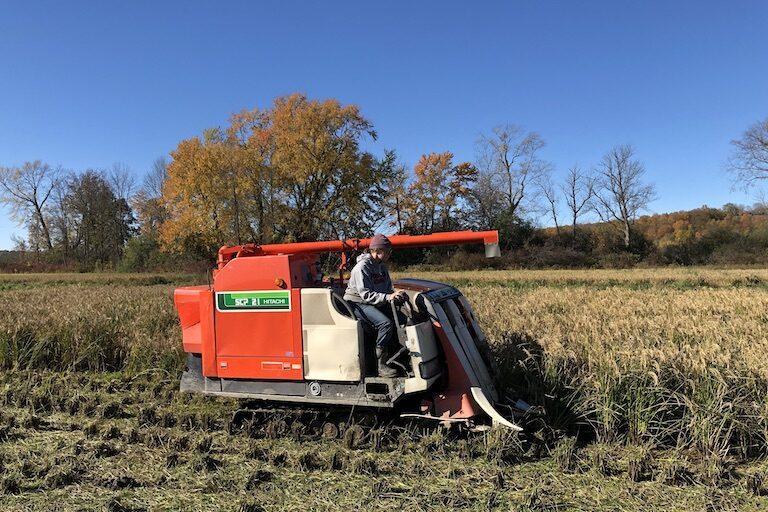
(331, 187)
(293, 172)
(436, 198)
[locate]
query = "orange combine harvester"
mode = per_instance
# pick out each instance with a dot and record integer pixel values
(272, 329)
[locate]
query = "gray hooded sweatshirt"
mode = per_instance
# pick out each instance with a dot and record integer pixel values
(369, 282)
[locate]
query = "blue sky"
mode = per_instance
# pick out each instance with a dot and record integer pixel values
(87, 84)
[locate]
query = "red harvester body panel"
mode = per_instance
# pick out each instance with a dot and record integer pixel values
(250, 326)
(258, 333)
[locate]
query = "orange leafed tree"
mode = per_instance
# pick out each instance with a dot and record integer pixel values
(197, 193)
(293, 172)
(435, 199)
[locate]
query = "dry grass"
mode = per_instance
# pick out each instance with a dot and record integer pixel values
(683, 277)
(665, 368)
(87, 326)
(620, 330)
(19, 280)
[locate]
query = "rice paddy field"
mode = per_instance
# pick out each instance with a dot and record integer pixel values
(654, 382)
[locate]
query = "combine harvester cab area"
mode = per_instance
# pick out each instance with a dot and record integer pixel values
(271, 329)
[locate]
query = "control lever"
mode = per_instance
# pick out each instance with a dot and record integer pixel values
(402, 338)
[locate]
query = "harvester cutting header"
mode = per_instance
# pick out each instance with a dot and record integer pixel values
(273, 329)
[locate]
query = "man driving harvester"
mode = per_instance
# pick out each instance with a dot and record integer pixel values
(370, 293)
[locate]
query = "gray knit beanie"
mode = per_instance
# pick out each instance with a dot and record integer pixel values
(380, 241)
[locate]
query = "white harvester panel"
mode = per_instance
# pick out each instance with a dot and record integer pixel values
(423, 349)
(332, 341)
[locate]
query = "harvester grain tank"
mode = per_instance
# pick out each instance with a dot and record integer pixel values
(272, 329)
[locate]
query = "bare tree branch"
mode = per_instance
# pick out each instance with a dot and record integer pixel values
(26, 191)
(155, 178)
(550, 193)
(748, 162)
(578, 191)
(121, 180)
(619, 191)
(510, 157)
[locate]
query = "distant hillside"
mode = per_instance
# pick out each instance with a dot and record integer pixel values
(728, 235)
(674, 228)
(731, 235)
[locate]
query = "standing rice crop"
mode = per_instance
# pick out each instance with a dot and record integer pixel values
(89, 327)
(664, 358)
(674, 367)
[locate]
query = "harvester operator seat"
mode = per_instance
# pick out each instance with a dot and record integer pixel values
(332, 337)
(368, 332)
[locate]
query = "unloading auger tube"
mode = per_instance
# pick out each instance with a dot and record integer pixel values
(272, 329)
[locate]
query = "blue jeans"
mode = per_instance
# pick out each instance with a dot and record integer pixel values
(380, 317)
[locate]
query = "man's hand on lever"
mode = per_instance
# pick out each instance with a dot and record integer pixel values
(398, 297)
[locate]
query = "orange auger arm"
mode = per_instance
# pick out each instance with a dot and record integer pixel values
(489, 238)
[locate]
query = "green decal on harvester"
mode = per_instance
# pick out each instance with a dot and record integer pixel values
(269, 300)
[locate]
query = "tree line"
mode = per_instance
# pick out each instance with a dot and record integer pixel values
(299, 170)
(84, 217)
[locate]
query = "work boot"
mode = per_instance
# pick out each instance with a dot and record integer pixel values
(381, 361)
